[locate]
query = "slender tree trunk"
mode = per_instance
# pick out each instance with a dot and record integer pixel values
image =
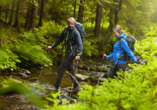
(41, 13)
(28, 15)
(0, 13)
(16, 23)
(118, 7)
(113, 17)
(7, 11)
(34, 16)
(98, 18)
(81, 11)
(12, 11)
(74, 9)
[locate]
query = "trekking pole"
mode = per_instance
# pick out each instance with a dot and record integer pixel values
(48, 51)
(101, 69)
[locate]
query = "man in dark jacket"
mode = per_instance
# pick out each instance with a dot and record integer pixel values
(73, 41)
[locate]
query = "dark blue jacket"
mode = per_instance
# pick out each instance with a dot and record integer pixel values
(73, 41)
(117, 51)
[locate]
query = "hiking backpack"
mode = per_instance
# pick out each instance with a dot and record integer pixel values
(131, 42)
(80, 29)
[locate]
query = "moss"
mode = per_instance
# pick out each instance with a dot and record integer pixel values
(104, 69)
(88, 74)
(94, 79)
(93, 68)
(83, 66)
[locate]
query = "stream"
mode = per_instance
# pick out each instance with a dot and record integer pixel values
(47, 76)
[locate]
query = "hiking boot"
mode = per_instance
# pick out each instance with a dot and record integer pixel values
(53, 88)
(74, 90)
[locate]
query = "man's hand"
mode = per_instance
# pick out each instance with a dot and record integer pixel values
(77, 58)
(49, 48)
(104, 57)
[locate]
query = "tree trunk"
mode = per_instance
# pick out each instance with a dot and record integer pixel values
(74, 9)
(118, 7)
(12, 11)
(16, 24)
(113, 20)
(28, 15)
(41, 13)
(81, 11)
(0, 11)
(7, 11)
(98, 18)
(34, 16)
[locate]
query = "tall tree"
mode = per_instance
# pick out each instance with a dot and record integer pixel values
(74, 9)
(98, 18)
(41, 13)
(7, 11)
(16, 23)
(81, 11)
(0, 12)
(113, 16)
(33, 15)
(28, 15)
(12, 11)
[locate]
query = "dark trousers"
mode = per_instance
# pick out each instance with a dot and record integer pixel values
(67, 63)
(113, 71)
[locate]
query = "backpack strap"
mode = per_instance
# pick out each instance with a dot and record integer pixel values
(122, 57)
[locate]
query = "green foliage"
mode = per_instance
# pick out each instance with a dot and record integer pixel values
(136, 89)
(8, 85)
(34, 53)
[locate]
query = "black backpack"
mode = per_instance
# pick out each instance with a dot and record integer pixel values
(80, 29)
(131, 42)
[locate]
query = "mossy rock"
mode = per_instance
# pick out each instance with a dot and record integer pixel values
(83, 67)
(93, 68)
(82, 77)
(104, 69)
(33, 79)
(94, 79)
(91, 62)
(86, 73)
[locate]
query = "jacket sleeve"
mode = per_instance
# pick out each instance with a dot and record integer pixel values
(59, 40)
(79, 42)
(110, 56)
(128, 50)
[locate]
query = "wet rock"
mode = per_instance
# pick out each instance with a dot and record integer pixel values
(104, 69)
(95, 79)
(34, 79)
(83, 67)
(93, 68)
(86, 73)
(90, 61)
(22, 74)
(82, 77)
(108, 66)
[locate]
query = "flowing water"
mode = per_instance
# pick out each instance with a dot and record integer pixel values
(47, 76)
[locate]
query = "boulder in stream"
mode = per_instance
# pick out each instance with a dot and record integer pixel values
(104, 69)
(82, 77)
(24, 73)
(83, 67)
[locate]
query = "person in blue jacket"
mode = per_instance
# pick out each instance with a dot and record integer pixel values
(118, 52)
(71, 45)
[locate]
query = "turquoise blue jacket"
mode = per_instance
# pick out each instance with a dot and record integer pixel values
(117, 51)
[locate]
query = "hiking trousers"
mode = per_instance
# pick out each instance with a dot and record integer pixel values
(113, 71)
(67, 63)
